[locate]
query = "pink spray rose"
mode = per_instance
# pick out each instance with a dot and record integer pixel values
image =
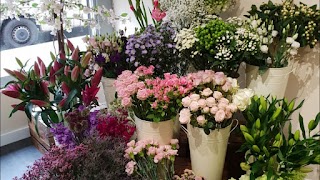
(194, 106)
(185, 116)
(206, 92)
(220, 116)
(201, 120)
(186, 101)
(214, 110)
(202, 103)
(217, 95)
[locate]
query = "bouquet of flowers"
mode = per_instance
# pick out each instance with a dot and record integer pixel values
(213, 101)
(108, 53)
(216, 45)
(273, 150)
(282, 29)
(151, 161)
(183, 13)
(155, 46)
(152, 99)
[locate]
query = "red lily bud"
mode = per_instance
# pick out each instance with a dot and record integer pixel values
(14, 87)
(42, 70)
(65, 88)
(20, 107)
(40, 103)
(36, 69)
(70, 45)
(86, 59)
(56, 66)
(40, 61)
(97, 78)
(9, 72)
(61, 103)
(52, 76)
(11, 93)
(66, 70)
(132, 8)
(75, 73)
(62, 56)
(20, 76)
(44, 86)
(75, 54)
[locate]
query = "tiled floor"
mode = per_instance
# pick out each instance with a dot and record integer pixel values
(15, 158)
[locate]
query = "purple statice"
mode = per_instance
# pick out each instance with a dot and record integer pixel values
(154, 46)
(63, 135)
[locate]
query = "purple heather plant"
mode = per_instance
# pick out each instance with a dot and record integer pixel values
(155, 46)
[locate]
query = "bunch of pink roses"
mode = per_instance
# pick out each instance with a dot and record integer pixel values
(149, 160)
(212, 104)
(152, 99)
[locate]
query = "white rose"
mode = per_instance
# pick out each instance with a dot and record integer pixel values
(293, 52)
(274, 33)
(206, 92)
(206, 110)
(243, 98)
(211, 101)
(202, 103)
(186, 101)
(295, 45)
(289, 40)
(195, 97)
(264, 49)
(194, 106)
(185, 116)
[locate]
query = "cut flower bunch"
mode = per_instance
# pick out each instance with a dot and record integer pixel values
(152, 99)
(213, 101)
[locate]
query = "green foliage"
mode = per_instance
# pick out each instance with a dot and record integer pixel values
(270, 150)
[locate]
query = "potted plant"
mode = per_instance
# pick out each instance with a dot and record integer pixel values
(282, 29)
(214, 44)
(273, 150)
(208, 112)
(109, 53)
(155, 102)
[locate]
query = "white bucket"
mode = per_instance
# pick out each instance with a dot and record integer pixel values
(162, 132)
(208, 152)
(274, 81)
(108, 89)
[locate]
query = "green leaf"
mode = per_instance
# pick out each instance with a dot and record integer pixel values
(34, 5)
(70, 97)
(210, 125)
(124, 15)
(150, 116)
(28, 110)
(45, 118)
(53, 57)
(19, 62)
(206, 130)
(53, 116)
(163, 114)
(317, 120)
(302, 126)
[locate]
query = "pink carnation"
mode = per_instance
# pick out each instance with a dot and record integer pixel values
(130, 167)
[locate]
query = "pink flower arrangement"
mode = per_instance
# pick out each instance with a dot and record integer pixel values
(153, 99)
(213, 102)
(147, 158)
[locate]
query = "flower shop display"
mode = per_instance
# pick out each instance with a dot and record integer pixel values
(96, 158)
(273, 150)
(208, 112)
(154, 101)
(183, 13)
(109, 53)
(283, 29)
(215, 45)
(149, 160)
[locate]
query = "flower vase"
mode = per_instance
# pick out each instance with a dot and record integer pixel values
(207, 152)
(108, 89)
(274, 81)
(162, 132)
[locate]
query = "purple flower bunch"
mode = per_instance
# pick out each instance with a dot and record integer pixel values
(155, 46)
(63, 135)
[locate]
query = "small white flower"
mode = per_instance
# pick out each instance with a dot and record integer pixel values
(264, 49)
(254, 24)
(269, 60)
(289, 40)
(274, 33)
(295, 36)
(295, 45)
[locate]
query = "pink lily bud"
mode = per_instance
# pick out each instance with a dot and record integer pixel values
(56, 66)
(20, 76)
(11, 93)
(42, 70)
(52, 76)
(36, 69)
(86, 58)
(75, 54)
(61, 103)
(40, 103)
(157, 14)
(9, 72)
(14, 87)
(132, 8)
(62, 56)
(70, 45)
(20, 107)
(66, 70)
(40, 61)
(75, 73)
(44, 86)
(97, 78)
(65, 88)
